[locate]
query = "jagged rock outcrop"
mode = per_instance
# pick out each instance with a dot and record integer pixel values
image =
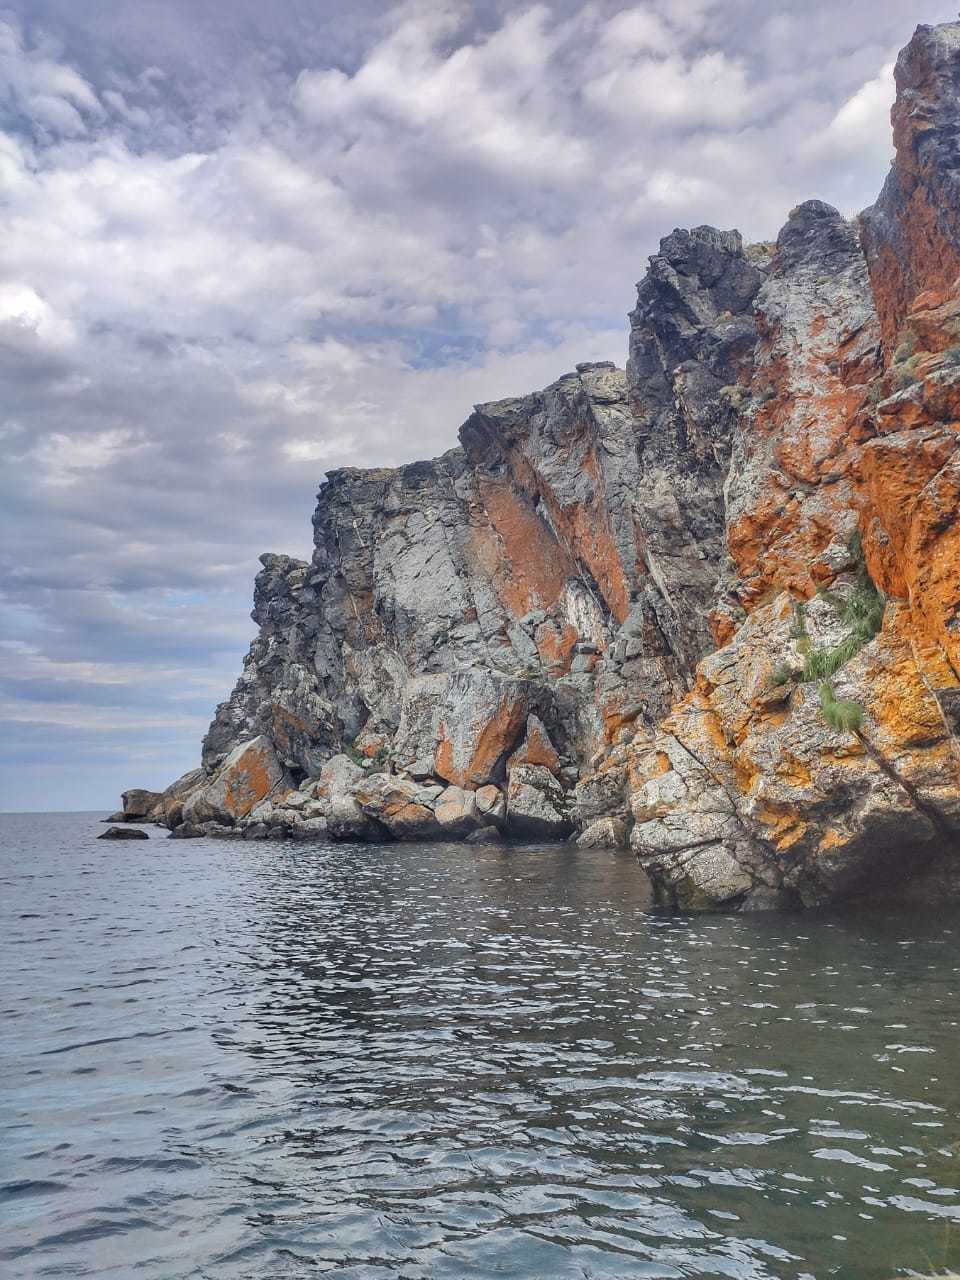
(708, 605)
(138, 806)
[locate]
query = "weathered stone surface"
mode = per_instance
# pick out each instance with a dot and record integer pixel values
(605, 833)
(492, 803)
(334, 788)
(394, 804)
(789, 505)
(737, 798)
(464, 723)
(912, 234)
(536, 804)
(139, 805)
(307, 829)
(457, 812)
(170, 807)
(122, 833)
(247, 776)
(536, 748)
(595, 601)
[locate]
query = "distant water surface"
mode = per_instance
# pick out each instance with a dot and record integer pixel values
(227, 1059)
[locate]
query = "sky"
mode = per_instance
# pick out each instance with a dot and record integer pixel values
(245, 243)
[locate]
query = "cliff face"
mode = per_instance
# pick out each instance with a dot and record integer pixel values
(710, 604)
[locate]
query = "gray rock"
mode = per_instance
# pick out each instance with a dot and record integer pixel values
(485, 835)
(458, 813)
(122, 833)
(536, 804)
(245, 778)
(605, 833)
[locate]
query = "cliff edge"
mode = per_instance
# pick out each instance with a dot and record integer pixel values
(707, 606)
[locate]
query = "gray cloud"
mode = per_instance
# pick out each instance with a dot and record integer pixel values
(247, 243)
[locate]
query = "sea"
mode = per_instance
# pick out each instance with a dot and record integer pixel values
(229, 1059)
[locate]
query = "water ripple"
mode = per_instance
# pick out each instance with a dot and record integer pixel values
(226, 1060)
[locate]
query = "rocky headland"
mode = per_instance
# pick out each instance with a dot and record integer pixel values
(707, 607)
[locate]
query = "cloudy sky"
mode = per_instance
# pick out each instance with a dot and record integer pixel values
(244, 242)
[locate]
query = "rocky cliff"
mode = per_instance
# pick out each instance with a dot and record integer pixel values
(708, 605)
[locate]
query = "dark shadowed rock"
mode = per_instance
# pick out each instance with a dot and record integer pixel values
(122, 833)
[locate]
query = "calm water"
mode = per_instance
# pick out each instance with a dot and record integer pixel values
(240, 1060)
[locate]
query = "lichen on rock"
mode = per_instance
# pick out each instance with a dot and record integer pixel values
(707, 605)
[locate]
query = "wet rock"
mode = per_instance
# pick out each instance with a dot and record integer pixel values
(485, 835)
(122, 833)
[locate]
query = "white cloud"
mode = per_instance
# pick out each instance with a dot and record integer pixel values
(863, 122)
(237, 252)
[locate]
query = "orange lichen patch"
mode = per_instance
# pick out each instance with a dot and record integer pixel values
(777, 543)
(486, 752)
(825, 435)
(899, 702)
(794, 772)
(247, 783)
(615, 715)
(785, 826)
(910, 486)
(832, 840)
(928, 261)
(518, 552)
(583, 526)
(586, 529)
(536, 749)
(892, 472)
(934, 318)
(933, 557)
(644, 764)
(746, 773)
(443, 762)
(555, 644)
(370, 744)
(723, 626)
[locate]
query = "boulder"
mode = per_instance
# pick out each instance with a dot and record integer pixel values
(122, 833)
(307, 829)
(170, 808)
(394, 804)
(247, 776)
(605, 833)
(536, 748)
(458, 814)
(491, 803)
(334, 789)
(460, 726)
(138, 804)
(536, 804)
(485, 835)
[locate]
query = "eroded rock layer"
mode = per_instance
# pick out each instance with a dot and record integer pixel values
(708, 606)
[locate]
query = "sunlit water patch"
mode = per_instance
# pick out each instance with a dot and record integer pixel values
(224, 1059)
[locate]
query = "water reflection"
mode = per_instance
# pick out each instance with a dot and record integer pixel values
(450, 1062)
